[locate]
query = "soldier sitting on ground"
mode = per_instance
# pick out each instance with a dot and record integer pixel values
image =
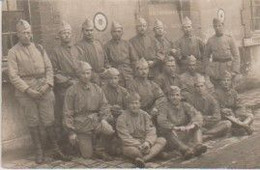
(232, 110)
(86, 115)
(180, 123)
(204, 102)
(138, 133)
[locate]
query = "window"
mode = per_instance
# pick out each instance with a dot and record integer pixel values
(255, 7)
(12, 11)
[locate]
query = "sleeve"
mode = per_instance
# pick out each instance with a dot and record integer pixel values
(13, 73)
(68, 111)
(158, 94)
(103, 105)
(125, 94)
(48, 69)
(150, 130)
(106, 61)
(162, 118)
(123, 133)
(215, 108)
(195, 116)
(133, 55)
(206, 56)
(235, 54)
(201, 47)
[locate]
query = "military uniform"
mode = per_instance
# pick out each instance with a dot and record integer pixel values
(165, 81)
(225, 56)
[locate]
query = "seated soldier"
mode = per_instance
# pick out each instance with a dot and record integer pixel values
(169, 76)
(151, 94)
(187, 78)
(138, 133)
(180, 123)
(204, 102)
(86, 113)
(116, 96)
(231, 109)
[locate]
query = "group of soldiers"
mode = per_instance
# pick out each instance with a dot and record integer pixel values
(141, 98)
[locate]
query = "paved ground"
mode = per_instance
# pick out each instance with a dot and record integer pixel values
(231, 152)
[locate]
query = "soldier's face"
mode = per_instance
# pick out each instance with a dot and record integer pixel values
(226, 83)
(85, 76)
(200, 88)
(159, 31)
(170, 67)
(134, 106)
(88, 33)
(174, 98)
(141, 28)
(142, 71)
(65, 36)
(117, 33)
(191, 67)
(25, 36)
(219, 28)
(187, 30)
(113, 81)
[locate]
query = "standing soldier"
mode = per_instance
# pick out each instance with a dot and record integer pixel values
(224, 53)
(144, 45)
(120, 54)
(188, 78)
(168, 77)
(232, 110)
(180, 123)
(63, 60)
(138, 133)
(204, 102)
(92, 51)
(151, 94)
(189, 45)
(30, 71)
(86, 113)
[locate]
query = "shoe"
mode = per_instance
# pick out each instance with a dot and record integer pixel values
(103, 155)
(60, 156)
(139, 163)
(199, 149)
(188, 154)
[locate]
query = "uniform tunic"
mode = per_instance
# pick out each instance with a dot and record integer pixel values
(225, 56)
(84, 107)
(163, 44)
(151, 94)
(30, 67)
(227, 99)
(134, 129)
(165, 81)
(121, 55)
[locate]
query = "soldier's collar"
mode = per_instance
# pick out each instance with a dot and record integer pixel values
(85, 86)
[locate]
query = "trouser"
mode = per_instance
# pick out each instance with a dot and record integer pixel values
(134, 152)
(182, 141)
(217, 129)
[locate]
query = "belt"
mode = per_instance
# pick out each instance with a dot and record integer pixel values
(36, 76)
(221, 60)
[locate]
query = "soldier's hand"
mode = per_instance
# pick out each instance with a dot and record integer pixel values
(44, 89)
(73, 139)
(33, 93)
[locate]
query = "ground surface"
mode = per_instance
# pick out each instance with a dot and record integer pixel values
(231, 152)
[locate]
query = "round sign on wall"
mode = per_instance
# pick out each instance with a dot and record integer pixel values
(221, 15)
(100, 21)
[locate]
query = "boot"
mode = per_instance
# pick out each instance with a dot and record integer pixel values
(103, 155)
(199, 149)
(139, 162)
(57, 152)
(35, 134)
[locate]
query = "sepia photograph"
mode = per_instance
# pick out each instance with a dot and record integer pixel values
(130, 84)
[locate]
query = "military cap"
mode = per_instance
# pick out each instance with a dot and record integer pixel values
(133, 96)
(186, 22)
(158, 24)
(88, 24)
(22, 25)
(116, 25)
(216, 21)
(141, 63)
(199, 79)
(191, 59)
(64, 26)
(140, 21)
(173, 90)
(110, 72)
(227, 75)
(82, 66)
(169, 59)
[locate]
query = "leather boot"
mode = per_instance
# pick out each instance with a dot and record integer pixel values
(35, 134)
(57, 152)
